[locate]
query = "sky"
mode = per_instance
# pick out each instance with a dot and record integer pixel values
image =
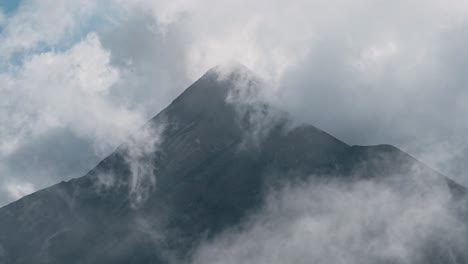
(78, 77)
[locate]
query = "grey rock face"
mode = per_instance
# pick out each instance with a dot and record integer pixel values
(197, 168)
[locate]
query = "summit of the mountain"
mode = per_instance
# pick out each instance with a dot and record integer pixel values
(197, 168)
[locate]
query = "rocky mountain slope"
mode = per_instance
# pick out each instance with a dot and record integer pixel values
(196, 169)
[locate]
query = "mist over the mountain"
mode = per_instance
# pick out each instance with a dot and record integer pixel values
(229, 178)
(190, 132)
(334, 222)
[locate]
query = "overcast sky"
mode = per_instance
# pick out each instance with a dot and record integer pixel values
(76, 77)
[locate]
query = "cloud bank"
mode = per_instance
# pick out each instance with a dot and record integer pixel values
(368, 221)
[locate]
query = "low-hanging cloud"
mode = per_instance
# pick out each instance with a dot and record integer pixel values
(139, 155)
(335, 221)
(143, 147)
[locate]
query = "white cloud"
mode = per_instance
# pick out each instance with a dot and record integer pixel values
(334, 222)
(68, 89)
(71, 89)
(41, 22)
(143, 179)
(17, 190)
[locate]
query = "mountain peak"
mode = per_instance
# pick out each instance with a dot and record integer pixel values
(230, 68)
(228, 76)
(218, 92)
(196, 183)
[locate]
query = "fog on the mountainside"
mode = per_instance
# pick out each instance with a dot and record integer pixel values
(336, 222)
(136, 152)
(333, 219)
(80, 79)
(324, 219)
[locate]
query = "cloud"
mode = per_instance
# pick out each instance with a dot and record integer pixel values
(367, 221)
(41, 23)
(398, 90)
(77, 77)
(367, 72)
(17, 190)
(140, 153)
(139, 157)
(151, 62)
(65, 91)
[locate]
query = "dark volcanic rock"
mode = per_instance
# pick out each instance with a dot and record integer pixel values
(152, 202)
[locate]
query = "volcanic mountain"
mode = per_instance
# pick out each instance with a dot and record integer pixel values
(196, 169)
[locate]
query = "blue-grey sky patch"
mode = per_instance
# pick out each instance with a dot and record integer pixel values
(9, 6)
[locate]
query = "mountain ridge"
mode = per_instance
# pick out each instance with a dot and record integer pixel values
(187, 176)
